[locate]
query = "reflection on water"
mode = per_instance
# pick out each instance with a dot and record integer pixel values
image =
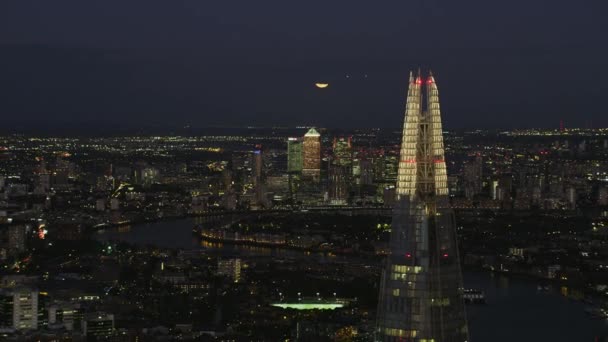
(516, 310)
(124, 229)
(211, 245)
(178, 234)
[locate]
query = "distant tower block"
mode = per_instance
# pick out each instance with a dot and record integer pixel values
(294, 155)
(312, 154)
(421, 287)
(257, 167)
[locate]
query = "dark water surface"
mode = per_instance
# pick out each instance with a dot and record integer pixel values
(516, 310)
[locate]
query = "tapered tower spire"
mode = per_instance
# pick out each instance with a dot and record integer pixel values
(421, 286)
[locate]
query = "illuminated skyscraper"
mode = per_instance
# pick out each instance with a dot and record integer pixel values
(294, 155)
(257, 167)
(312, 154)
(473, 173)
(258, 179)
(343, 151)
(339, 178)
(341, 170)
(421, 287)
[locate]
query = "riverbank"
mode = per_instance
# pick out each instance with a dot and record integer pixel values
(567, 289)
(516, 310)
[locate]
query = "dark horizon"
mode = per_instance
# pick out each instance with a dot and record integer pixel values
(519, 64)
(101, 129)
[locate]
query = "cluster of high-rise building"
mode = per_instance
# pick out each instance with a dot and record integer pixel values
(63, 190)
(25, 309)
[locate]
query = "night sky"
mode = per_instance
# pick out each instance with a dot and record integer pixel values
(518, 63)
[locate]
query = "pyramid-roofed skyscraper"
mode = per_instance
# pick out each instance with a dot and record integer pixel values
(421, 287)
(312, 154)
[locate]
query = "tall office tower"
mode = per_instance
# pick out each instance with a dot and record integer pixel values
(338, 185)
(473, 177)
(343, 151)
(311, 148)
(259, 187)
(294, 155)
(341, 170)
(257, 166)
(366, 172)
(421, 287)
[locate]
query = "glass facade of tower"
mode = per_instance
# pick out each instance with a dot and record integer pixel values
(312, 153)
(421, 287)
(340, 170)
(342, 151)
(295, 160)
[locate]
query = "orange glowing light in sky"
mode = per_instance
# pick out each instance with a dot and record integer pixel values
(322, 85)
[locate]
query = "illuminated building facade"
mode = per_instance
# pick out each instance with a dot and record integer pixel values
(343, 151)
(19, 309)
(294, 155)
(421, 295)
(257, 167)
(311, 148)
(98, 326)
(339, 178)
(341, 170)
(473, 177)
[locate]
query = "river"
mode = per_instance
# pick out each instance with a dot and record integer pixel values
(516, 311)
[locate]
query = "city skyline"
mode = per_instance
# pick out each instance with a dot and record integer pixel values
(196, 217)
(111, 129)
